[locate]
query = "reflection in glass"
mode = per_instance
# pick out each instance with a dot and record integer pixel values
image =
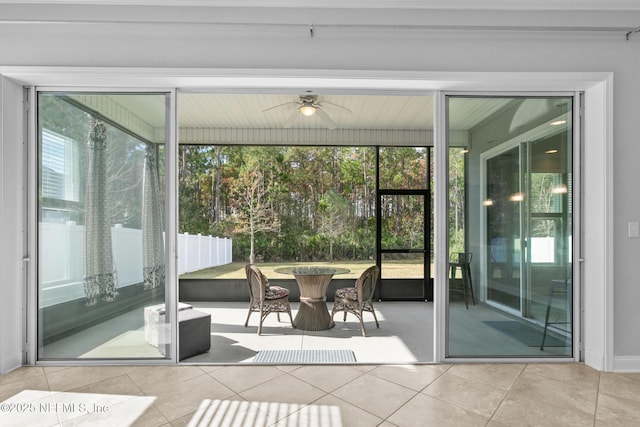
(503, 228)
(101, 268)
(518, 207)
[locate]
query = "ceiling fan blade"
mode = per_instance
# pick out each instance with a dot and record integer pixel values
(345, 109)
(278, 106)
(325, 119)
(292, 119)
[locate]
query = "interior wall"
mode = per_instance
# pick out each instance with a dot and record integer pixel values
(384, 49)
(11, 225)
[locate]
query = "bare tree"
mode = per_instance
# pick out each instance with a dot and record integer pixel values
(334, 222)
(252, 208)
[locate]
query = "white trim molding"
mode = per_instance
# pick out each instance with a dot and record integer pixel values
(626, 364)
(598, 165)
(597, 269)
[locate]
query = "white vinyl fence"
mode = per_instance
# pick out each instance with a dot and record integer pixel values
(196, 252)
(61, 255)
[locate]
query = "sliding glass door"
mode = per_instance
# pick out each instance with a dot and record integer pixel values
(511, 291)
(102, 292)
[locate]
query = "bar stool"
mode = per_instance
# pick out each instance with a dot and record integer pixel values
(557, 287)
(463, 262)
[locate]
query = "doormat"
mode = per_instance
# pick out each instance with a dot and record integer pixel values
(304, 356)
(530, 336)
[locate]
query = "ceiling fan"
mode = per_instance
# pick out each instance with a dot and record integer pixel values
(309, 105)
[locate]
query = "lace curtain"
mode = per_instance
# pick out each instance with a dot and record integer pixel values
(100, 275)
(152, 224)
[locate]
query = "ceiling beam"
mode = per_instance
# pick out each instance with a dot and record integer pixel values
(350, 137)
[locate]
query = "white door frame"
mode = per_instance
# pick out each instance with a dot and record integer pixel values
(598, 159)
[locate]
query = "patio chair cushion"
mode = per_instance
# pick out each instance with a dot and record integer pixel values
(266, 281)
(348, 293)
(276, 292)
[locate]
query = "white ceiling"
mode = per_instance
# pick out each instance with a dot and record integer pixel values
(297, 17)
(247, 111)
(373, 112)
(578, 5)
(206, 118)
(259, 118)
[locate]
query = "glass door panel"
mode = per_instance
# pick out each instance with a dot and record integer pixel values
(101, 263)
(518, 228)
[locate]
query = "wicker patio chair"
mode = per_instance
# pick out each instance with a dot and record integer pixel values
(265, 299)
(357, 299)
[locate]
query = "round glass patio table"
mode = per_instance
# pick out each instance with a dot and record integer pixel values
(313, 281)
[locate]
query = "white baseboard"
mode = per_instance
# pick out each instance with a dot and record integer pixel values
(626, 364)
(10, 363)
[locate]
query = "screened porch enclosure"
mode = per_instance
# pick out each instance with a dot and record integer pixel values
(288, 205)
(349, 183)
(307, 180)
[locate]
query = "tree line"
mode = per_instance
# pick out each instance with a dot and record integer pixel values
(305, 203)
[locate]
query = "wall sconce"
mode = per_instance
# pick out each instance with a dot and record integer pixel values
(517, 197)
(560, 189)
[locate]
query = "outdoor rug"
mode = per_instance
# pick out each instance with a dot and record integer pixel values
(530, 336)
(304, 356)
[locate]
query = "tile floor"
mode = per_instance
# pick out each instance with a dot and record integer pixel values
(405, 336)
(313, 395)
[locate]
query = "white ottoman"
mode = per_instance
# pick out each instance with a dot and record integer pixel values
(152, 327)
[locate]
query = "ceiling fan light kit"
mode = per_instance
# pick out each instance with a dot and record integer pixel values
(308, 110)
(308, 105)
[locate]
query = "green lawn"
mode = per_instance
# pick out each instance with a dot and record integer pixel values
(395, 269)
